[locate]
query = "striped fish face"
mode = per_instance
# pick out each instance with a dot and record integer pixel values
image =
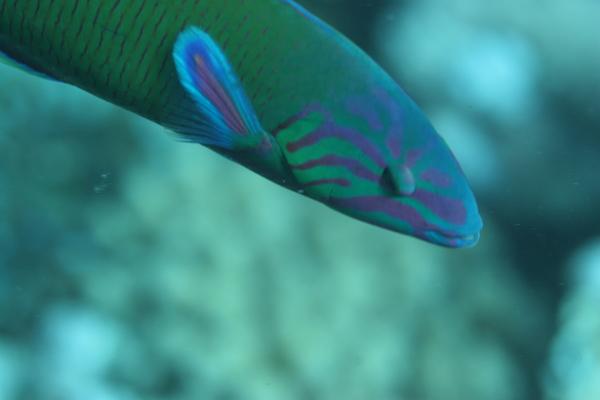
(377, 158)
(421, 191)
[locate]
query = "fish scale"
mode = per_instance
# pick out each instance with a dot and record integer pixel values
(120, 50)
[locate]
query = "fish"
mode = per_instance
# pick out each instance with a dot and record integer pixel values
(266, 84)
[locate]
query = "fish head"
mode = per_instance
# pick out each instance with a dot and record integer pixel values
(378, 159)
(424, 192)
(403, 176)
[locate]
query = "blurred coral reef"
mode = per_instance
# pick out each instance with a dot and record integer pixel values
(136, 267)
(574, 363)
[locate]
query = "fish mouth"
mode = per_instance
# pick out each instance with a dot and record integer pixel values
(448, 239)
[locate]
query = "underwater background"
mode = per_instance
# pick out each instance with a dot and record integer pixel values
(133, 266)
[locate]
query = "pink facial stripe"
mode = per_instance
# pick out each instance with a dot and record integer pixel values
(331, 130)
(332, 181)
(350, 164)
(448, 209)
(436, 177)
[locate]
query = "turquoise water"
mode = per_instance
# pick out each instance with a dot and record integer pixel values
(136, 267)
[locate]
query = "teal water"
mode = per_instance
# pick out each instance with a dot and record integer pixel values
(136, 267)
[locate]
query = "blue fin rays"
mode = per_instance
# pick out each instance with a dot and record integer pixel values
(226, 118)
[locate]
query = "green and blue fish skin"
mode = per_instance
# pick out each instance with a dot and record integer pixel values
(266, 84)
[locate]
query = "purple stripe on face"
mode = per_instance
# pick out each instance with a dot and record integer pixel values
(436, 177)
(392, 110)
(312, 108)
(395, 129)
(365, 111)
(332, 181)
(351, 164)
(413, 156)
(450, 210)
(393, 144)
(286, 124)
(383, 205)
(330, 129)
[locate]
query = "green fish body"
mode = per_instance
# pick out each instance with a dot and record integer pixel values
(266, 84)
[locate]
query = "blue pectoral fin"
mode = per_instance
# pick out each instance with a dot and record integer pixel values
(13, 62)
(222, 116)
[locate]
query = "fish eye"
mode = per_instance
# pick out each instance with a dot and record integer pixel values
(387, 182)
(398, 181)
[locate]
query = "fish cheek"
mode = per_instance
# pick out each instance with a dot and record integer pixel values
(348, 185)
